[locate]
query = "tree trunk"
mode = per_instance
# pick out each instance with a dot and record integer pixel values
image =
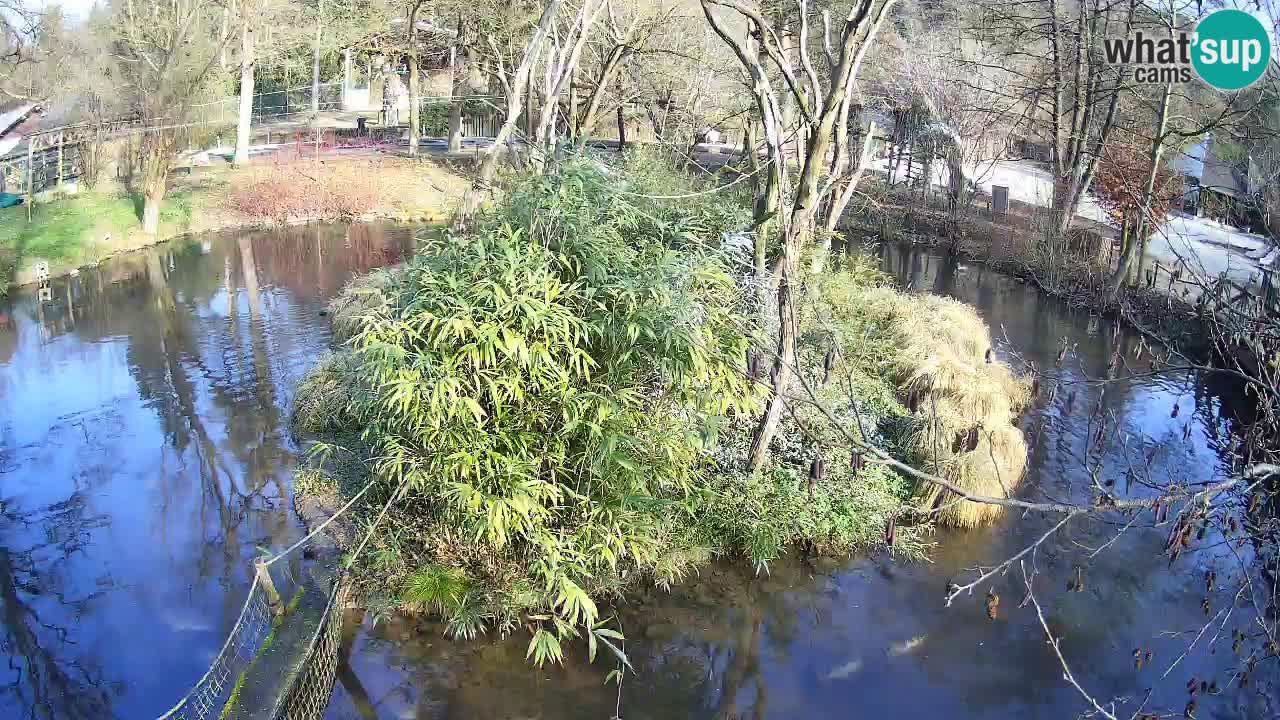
(222, 37)
(455, 103)
(572, 118)
(767, 426)
(616, 56)
(761, 206)
(1148, 190)
(1128, 250)
(622, 130)
(530, 124)
(804, 207)
(413, 104)
(413, 79)
(1065, 203)
(843, 192)
(455, 125)
(245, 119)
(1142, 261)
(471, 200)
(749, 147)
(560, 69)
(151, 211)
(156, 148)
(315, 61)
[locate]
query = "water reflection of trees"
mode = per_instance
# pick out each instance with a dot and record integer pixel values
(48, 677)
(701, 651)
(212, 332)
(797, 643)
(1133, 594)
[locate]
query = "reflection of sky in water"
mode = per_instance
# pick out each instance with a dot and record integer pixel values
(144, 455)
(869, 638)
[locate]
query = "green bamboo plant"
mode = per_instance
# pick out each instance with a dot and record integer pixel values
(548, 386)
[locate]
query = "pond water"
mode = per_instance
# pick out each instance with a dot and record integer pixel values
(868, 637)
(145, 457)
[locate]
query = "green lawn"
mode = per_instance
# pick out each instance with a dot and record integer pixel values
(80, 229)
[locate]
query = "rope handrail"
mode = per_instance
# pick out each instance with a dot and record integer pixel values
(269, 561)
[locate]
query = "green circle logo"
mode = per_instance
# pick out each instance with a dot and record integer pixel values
(1232, 49)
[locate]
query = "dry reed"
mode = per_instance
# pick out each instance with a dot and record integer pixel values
(965, 408)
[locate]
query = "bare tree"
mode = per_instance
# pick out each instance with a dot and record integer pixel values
(166, 55)
(823, 102)
(411, 57)
(248, 59)
(629, 31)
(18, 28)
(315, 58)
(560, 62)
(35, 49)
(1069, 95)
(967, 119)
(515, 89)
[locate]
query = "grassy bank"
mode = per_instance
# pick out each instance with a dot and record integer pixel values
(563, 403)
(83, 229)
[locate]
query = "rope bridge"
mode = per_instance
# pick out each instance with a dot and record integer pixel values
(210, 694)
(306, 692)
(309, 692)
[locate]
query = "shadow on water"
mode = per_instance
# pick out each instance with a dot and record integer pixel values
(867, 637)
(144, 457)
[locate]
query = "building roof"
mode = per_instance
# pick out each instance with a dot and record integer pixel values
(13, 114)
(1202, 162)
(11, 120)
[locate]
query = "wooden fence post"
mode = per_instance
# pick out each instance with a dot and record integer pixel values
(264, 579)
(61, 174)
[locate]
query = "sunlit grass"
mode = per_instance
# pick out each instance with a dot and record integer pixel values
(81, 229)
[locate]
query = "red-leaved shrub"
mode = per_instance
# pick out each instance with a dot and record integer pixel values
(1121, 182)
(304, 190)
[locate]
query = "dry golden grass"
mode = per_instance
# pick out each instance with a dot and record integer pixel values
(323, 402)
(356, 299)
(942, 371)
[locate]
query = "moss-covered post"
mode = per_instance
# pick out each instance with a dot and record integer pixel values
(269, 586)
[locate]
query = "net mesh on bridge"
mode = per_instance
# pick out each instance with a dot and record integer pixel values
(208, 696)
(311, 688)
(307, 694)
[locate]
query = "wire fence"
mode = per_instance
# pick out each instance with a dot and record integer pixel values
(306, 693)
(64, 158)
(272, 105)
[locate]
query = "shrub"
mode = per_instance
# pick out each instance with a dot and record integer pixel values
(326, 398)
(564, 393)
(549, 387)
(933, 353)
(691, 210)
(303, 190)
(360, 297)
